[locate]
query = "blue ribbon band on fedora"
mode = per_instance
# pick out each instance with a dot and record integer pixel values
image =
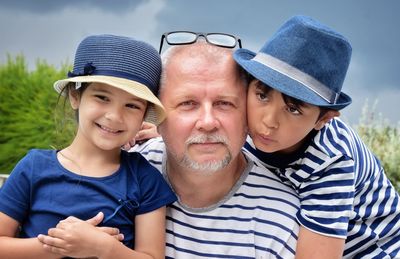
(308, 81)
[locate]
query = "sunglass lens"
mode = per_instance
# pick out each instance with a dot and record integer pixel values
(221, 40)
(180, 37)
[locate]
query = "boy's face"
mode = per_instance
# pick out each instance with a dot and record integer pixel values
(276, 125)
(108, 117)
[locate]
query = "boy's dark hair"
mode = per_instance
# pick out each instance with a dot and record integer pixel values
(288, 99)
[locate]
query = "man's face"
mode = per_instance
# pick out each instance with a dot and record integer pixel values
(206, 112)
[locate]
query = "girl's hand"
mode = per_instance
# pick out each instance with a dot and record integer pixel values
(77, 238)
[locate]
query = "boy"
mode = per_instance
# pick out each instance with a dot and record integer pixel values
(348, 206)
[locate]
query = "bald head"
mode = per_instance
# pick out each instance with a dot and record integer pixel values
(199, 59)
(204, 96)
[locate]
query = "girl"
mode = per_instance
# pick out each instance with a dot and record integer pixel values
(112, 89)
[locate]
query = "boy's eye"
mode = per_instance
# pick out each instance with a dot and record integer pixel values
(293, 109)
(261, 96)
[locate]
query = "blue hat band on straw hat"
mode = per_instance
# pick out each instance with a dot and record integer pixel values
(308, 81)
(120, 74)
(122, 62)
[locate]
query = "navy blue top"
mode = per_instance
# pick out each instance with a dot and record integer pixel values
(40, 192)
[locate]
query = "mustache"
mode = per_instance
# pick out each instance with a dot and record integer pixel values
(203, 138)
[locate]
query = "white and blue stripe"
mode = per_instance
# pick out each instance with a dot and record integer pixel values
(345, 193)
(255, 220)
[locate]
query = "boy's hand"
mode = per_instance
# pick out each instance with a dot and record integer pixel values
(146, 132)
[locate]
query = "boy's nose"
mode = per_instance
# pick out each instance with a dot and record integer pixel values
(270, 119)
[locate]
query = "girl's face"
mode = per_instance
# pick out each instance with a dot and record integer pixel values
(108, 117)
(276, 125)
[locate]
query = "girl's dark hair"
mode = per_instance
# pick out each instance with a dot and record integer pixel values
(63, 98)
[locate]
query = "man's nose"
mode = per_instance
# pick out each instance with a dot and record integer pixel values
(208, 119)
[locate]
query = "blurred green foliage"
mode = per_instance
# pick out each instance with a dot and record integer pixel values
(383, 140)
(28, 115)
(31, 117)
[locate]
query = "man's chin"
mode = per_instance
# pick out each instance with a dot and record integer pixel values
(207, 165)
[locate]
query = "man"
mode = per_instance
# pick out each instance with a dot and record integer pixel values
(228, 206)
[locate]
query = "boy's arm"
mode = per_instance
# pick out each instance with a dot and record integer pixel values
(311, 245)
(12, 247)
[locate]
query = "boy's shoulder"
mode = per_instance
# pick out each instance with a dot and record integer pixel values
(153, 149)
(335, 138)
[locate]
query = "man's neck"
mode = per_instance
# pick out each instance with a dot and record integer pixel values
(201, 189)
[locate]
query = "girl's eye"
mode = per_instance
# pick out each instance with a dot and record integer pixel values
(101, 97)
(134, 106)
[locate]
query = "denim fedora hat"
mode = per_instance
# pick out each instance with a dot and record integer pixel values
(304, 59)
(122, 62)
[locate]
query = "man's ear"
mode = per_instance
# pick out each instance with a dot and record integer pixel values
(325, 118)
(74, 98)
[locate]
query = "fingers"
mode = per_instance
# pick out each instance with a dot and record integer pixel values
(96, 219)
(51, 244)
(114, 232)
(147, 131)
(119, 237)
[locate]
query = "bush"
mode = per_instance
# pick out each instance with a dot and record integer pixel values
(27, 105)
(30, 118)
(383, 140)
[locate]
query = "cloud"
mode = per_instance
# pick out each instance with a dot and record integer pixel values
(49, 6)
(51, 30)
(54, 36)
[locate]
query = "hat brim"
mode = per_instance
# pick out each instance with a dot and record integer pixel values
(283, 83)
(155, 111)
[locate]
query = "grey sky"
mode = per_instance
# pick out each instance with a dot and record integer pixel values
(51, 30)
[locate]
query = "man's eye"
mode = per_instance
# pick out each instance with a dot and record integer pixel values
(187, 103)
(224, 103)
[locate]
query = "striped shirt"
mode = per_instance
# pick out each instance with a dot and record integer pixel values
(256, 219)
(343, 192)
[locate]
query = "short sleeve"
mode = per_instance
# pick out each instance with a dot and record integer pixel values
(155, 191)
(327, 198)
(15, 193)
